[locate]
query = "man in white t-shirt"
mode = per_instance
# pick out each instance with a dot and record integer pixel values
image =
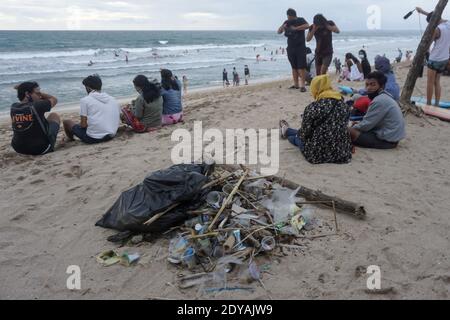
(439, 56)
(99, 115)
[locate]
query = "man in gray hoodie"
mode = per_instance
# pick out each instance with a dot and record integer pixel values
(383, 126)
(99, 115)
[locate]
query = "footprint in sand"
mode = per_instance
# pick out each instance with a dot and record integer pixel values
(37, 181)
(35, 172)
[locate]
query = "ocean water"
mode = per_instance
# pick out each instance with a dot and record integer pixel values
(58, 60)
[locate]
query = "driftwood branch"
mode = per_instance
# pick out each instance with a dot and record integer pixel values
(331, 202)
(341, 205)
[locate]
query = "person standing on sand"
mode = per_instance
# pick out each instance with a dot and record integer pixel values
(247, 74)
(235, 78)
(33, 133)
(185, 85)
(294, 29)
(365, 65)
(439, 57)
(322, 29)
(99, 115)
(338, 65)
(225, 81)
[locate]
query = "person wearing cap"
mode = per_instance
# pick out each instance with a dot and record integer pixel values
(99, 115)
(172, 101)
(439, 57)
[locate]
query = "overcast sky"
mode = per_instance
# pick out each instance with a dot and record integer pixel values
(199, 14)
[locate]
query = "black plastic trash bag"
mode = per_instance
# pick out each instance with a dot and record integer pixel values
(159, 190)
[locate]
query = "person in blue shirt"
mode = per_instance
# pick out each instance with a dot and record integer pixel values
(172, 101)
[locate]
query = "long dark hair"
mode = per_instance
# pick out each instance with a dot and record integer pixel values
(350, 56)
(167, 81)
(150, 91)
(320, 20)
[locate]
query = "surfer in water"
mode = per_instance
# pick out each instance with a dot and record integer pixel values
(90, 64)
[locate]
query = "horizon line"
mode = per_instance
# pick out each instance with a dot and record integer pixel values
(203, 30)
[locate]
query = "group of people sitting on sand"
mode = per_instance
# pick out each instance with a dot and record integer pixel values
(157, 105)
(326, 134)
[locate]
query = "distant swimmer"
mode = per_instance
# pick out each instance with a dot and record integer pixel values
(116, 54)
(90, 64)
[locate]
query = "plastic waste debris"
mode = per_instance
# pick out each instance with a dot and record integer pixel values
(177, 247)
(214, 199)
(268, 243)
(298, 222)
(129, 259)
(108, 258)
(282, 203)
(239, 244)
(189, 259)
(257, 188)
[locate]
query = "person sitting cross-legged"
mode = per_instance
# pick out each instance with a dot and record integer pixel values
(99, 115)
(323, 136)
(383, 126)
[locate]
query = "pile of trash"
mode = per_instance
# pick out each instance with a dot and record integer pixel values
(220, 219)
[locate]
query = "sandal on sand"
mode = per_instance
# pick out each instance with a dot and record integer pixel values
(294, 87)
(302, 89)
(283, 128)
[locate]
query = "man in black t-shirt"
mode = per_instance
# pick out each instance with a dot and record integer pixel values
(294, 29)
(322, 29)
(34, 134)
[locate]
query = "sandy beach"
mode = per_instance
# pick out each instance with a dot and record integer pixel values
(49, 206)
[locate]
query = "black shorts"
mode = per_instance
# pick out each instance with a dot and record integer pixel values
(81, 133)
(297, 58)
(370, 140)
(52, 133)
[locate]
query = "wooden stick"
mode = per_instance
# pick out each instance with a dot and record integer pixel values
(199, 236)
(227, 201)
(341, 205)
(214, 182)
(159, 215)
(335, 218)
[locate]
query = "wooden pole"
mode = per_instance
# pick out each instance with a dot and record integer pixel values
(413, 74)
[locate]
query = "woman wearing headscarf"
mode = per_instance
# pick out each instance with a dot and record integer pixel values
(323, 136)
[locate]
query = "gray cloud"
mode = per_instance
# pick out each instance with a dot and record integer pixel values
(199, 14)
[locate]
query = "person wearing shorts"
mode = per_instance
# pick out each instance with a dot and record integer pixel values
(33, 133)
(439, 56)
(294, 29)
(383, 126)
(322, 30)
